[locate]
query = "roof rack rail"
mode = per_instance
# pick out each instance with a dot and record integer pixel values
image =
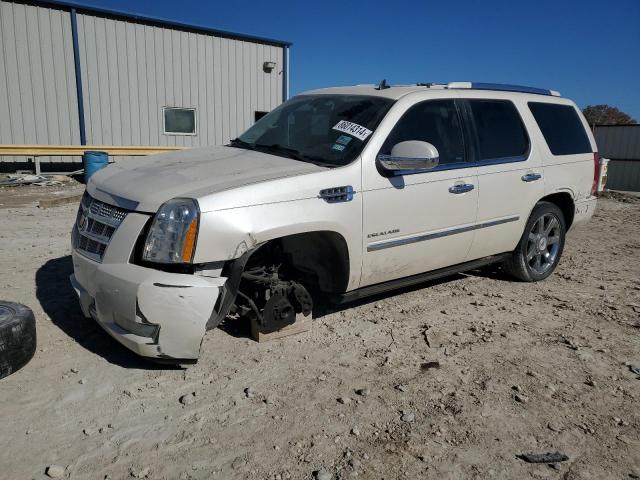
(382, 85)
(502, 88)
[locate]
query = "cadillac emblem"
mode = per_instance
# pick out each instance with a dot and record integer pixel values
(83, 222)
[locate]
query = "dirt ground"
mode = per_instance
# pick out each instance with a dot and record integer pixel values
(21, 196)
(523, 368)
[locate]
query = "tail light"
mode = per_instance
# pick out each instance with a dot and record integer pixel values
(596, 173)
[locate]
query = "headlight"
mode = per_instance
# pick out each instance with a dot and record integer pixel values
(172, 237)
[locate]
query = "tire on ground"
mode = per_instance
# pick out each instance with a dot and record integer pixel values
(17, 337)
(516, 265)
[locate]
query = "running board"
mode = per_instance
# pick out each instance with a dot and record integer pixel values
(417, 279)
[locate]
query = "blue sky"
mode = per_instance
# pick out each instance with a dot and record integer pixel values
(588, 50)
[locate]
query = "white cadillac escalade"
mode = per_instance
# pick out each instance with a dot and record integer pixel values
(341, 192)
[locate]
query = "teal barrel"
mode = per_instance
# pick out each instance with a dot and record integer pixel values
(92, 162)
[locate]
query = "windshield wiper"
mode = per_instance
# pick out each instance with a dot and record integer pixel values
(295, 154)
(319, 161)
(276, 147)
(236, 142)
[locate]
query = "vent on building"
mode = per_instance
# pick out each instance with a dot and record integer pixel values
(259, 115)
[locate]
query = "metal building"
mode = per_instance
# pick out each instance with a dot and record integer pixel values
(620, 144)
(77, 75)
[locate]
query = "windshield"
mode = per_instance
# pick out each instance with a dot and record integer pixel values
(328, 130)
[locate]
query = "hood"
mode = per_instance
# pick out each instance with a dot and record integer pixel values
(145, 183)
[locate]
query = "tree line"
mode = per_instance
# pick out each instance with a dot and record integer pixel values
(606, 115)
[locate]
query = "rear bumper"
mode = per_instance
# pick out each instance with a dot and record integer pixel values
(584, 210)
(167, 311)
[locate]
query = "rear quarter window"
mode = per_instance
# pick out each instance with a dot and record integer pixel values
(561, 127)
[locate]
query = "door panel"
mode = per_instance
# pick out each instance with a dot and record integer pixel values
(416, 222)
(508, 186)
(503, 195)
(419, 226)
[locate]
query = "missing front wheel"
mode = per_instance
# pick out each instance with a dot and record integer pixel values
(271, 300)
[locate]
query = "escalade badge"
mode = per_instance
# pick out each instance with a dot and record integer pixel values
(382, 234)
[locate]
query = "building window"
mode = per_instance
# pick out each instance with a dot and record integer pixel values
(179, 121)
(258, 115)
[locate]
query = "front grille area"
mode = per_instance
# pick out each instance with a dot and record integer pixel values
(95, 225)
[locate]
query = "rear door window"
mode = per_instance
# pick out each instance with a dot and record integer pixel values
(561, 127)
(500, 133)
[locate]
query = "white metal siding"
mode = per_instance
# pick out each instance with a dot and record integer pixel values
(131, 71)
(38, 102)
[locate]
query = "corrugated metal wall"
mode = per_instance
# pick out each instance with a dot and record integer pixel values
(618, 141)
(131, 71)
(621, 144)
(38, 102)
(623, 175)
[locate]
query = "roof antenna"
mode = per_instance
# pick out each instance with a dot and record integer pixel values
(383, 85)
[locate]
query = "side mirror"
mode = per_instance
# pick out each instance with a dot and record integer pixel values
(410, 155)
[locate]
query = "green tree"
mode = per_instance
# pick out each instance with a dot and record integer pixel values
(606, 115)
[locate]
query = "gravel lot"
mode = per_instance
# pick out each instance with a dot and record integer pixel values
(522, 368)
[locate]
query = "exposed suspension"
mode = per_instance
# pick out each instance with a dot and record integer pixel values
(270, 300)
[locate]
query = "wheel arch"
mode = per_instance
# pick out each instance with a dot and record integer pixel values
(333, 276)
(564, 201)
(321, 256)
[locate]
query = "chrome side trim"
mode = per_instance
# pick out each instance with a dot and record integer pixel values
(460, 165)
(372, 247)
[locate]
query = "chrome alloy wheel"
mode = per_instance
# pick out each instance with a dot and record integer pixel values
(543, 243)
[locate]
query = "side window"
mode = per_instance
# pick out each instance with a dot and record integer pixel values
(561, 128)
(499, 129)
(433, 121)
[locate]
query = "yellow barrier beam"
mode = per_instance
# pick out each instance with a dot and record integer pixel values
(78, 150)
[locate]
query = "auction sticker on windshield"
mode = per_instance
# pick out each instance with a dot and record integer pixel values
(344, 139)
(353, 129)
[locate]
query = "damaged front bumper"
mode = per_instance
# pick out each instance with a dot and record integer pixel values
(154, 313)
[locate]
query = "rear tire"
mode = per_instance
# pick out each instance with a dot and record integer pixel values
(540, 247)
(17, 337)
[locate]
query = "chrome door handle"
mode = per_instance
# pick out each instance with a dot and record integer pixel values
(461, 188)
(531, 177)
